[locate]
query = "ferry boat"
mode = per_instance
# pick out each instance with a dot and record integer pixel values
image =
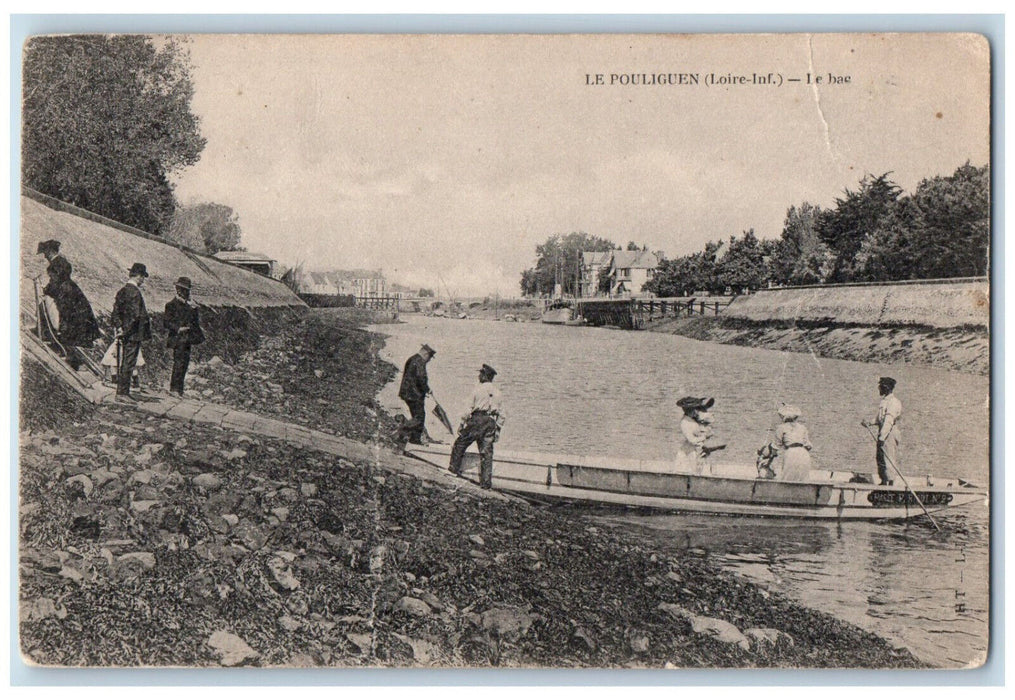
(731, 489)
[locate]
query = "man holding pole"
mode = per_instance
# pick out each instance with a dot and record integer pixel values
(889, 435)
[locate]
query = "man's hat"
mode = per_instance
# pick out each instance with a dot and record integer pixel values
(138, 269)
(183, 282)
(48, 246)
(487, 369)
(428, 349)
(691, 403)
(887, 383)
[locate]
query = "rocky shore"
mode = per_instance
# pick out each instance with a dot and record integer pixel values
(957, 349)
(146, 541)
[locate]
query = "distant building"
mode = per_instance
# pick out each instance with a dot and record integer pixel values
(358, 283)
(592, 265)
(629, 270)
(255, 262)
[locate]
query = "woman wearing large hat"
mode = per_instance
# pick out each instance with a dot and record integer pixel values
(73, 324)
(695, 430)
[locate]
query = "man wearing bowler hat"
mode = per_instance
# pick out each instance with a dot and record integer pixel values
(183, 326)
(481, 425)
(413, 390)
(132, 325)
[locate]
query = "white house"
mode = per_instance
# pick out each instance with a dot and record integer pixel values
(630, 270)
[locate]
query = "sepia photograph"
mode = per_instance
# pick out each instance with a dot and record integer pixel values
(523, 351)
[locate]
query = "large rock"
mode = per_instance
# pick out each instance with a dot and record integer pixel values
(208, 482)
(232, 650)
(412, 606)
(708, 626)
(762, 637)
(507, 623)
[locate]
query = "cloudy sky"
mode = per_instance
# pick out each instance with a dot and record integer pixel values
(450, 158)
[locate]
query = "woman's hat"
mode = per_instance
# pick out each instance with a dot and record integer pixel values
(692, 403)
(52, 246)
(788, 411)
(138, 269)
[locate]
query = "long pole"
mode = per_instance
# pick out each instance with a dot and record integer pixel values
(901, 476)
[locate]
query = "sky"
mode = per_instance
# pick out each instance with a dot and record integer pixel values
(444, 160)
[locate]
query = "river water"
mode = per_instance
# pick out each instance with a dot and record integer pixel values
(593, 391)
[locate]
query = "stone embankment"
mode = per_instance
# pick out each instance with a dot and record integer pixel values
(943, 325)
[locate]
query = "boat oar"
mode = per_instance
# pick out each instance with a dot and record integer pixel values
(442, 416)
(901, 476)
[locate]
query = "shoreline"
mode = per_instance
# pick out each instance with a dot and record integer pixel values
(300, 559)
(956, 349)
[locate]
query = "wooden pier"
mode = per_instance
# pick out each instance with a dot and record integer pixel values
(633, 314)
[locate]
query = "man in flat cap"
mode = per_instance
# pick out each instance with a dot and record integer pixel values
(183, 328)
(132, 326)
(413, 390)
(695, 430)
(889, 435)
(481, 425)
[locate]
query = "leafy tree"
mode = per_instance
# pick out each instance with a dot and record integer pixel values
(558, 260)
(106, 120)
(745, 264)
(684, 275)
(855, 218)
(206, 227)
(800, 256)
(941, 230)
(425, 292)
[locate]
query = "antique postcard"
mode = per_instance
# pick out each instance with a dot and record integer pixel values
(516, 351)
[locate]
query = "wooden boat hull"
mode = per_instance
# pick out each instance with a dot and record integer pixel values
(730, 490)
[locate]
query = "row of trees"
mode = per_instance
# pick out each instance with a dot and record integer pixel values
(874, 233)
(107, 121)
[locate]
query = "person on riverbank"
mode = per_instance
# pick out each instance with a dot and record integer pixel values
(792, 442)
(695, 431)
(74, 323)
(132, 326)
(414, 389)
(183, 326)
(889, 434)
(481, 425)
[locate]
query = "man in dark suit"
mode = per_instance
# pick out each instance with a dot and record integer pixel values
(132, 325)
(413, 391)
(183, 326)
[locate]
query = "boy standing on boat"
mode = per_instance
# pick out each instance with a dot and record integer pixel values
(481, 425)
(889, 435)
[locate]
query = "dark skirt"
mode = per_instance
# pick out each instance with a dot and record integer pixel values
(78, 326)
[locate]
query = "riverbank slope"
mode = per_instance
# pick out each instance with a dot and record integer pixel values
(938, 325)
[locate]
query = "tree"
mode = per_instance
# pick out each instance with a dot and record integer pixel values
(941, 230)
(205, 227)
(745, 264)
(855, 218)
(558, 260)
(106, 121)
(425, 292)
(800, 256)
(685, 275)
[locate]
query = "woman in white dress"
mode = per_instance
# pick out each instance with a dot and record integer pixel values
(792, 442)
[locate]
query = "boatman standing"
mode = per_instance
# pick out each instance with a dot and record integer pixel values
(889, 436)
(481, 425)
(413, 390)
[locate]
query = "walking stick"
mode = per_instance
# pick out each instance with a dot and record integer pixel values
(899, 472)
